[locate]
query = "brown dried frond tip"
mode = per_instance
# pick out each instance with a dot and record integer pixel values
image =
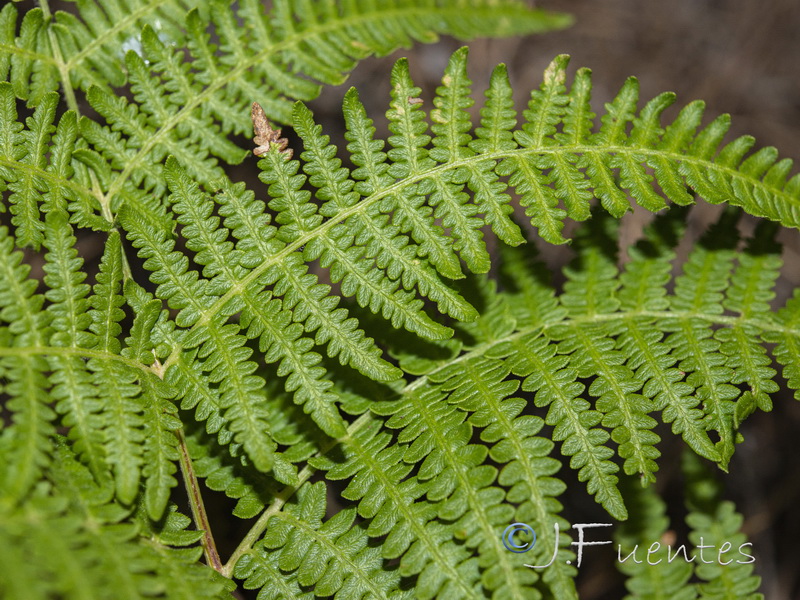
(265, 134)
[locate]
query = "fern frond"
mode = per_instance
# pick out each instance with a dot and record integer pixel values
(76, 51)
(546, 167)
(436, 396)
(37, 166)
(553, 381)
(377, 474)
(97, 552)
(716, 523)
(25, 444)
(278, 58)
(384, 240)
(73, 391)
(410, 200)
(227, 355)
(647, 553)
(749, 295)
(333, 556)
(643, 289)
(160, 419)
(699, 289)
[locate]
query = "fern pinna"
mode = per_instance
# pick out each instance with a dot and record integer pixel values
(346, 358)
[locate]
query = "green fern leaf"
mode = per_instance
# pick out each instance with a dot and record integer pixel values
(643, 290)
(97, 552)
(698, 291)
(716, 523)
(451, 126)
(347, 323)
(654, 570)
(383, 240)
(332, 556)
(277, 59)
(25, 443)
(749, 295)
(498, 118)
(37, 165)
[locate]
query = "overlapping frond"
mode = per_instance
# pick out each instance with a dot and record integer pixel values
(715, 522)
(655, 561)
(417, 468)
(39, 167)
(714, 563)
(187, 105)
(246, 357)
(75, 542)
(69, 354)
(81, 48)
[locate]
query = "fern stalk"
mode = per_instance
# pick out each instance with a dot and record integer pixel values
(193, 491)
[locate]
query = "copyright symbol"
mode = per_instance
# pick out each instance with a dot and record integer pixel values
(508, 537)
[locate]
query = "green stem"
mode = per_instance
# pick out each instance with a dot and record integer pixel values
(198, 508)
(283, 496)
(63, 70)
(72, 104)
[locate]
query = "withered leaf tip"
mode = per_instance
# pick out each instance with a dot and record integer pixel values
(265, 135)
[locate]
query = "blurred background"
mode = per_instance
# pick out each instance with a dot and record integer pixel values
(742, 58)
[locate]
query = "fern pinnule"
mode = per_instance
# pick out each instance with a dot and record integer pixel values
(452, 128)
(498, 118)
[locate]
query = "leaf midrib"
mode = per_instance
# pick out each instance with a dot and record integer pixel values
(396, 188)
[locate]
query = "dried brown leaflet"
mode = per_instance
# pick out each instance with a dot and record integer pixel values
(265, 134)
